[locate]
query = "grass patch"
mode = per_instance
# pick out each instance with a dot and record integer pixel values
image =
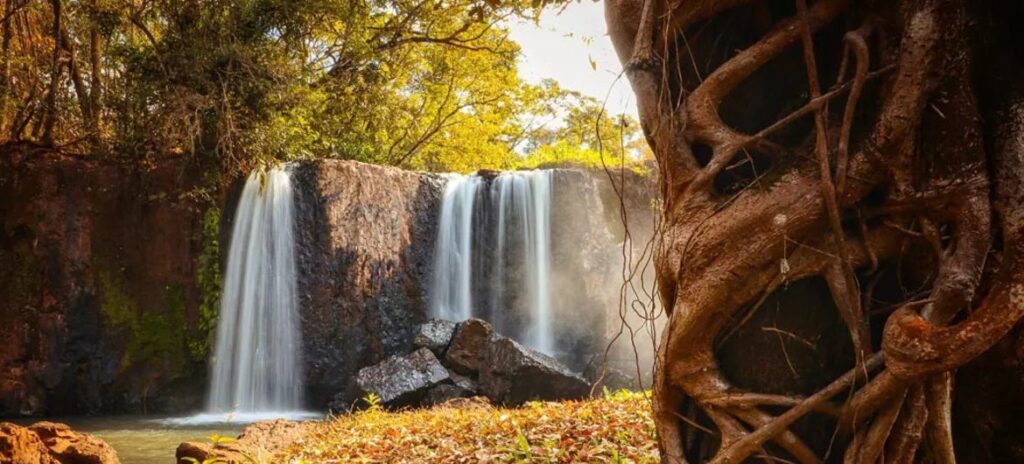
(614, 429)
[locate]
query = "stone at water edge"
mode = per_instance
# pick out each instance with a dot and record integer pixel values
(19, 445)
(259, 442)
(74, 447)
(435, 335)
(514, 374)
(402, 380)
(52, 443)
(469, 346)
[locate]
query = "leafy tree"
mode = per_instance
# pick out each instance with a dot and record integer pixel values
(567, 126)
(419, 83)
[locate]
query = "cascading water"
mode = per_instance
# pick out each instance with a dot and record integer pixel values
(452, 293)
(493, 254)
(256, 369)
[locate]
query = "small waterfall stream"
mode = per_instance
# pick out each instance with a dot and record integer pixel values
(256, 368)
(493, 254)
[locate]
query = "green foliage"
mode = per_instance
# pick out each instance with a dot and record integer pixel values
(209, 281)
(561, 153)
(217, 439)
(586, 135)
(153, 337)
(240, 83)
(373, 402)
(521, 452)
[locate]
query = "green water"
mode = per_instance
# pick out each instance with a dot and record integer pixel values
(142, 440)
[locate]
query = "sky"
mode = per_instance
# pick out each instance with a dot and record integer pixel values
(562, 46)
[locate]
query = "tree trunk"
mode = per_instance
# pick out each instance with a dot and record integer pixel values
(870, 146)
(6, 34)
(95, 84)
(49, 117)
(77, 81)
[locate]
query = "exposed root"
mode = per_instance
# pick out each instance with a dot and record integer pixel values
(871, 441)
(855, 40)
(912, 180)
(938, 392)
(907, 434)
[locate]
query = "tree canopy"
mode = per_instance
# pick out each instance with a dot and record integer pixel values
(234, 83)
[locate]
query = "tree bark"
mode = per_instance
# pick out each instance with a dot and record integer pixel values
(49, 117)
(841, 141)
(96, 83)
(6, 34)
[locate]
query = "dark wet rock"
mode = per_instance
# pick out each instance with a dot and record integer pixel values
(52, 443)
(340, 404)
(514, 374)
(402, 380)
(444, 393)
(261, 441)
(610, 378)
(470, 403)
(466, 353)
(365, 236)
(463, 382)
(435, 335)
(488, 173)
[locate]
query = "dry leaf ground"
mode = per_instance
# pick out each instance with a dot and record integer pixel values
(616, 428)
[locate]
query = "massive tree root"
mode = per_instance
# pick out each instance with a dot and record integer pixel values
(840, 140)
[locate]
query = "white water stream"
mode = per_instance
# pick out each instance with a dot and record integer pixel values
(493, 251)
(256, 371)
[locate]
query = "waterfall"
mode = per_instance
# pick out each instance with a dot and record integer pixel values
(493, 254)
(452, 295)
(256, 368)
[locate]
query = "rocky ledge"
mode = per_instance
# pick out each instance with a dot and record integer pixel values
(52, 443)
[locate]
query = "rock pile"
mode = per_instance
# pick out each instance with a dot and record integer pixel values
(460, 360)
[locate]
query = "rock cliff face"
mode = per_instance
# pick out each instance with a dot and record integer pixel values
(366, 241)
(100, 299)
(96, 284)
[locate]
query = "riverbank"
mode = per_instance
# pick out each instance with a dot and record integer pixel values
(143, 439)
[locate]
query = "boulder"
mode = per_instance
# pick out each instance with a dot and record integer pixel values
(611, 378)
(259, 442)
(469, 346)
(19, 445)
(70, 447)
(463, 382)
(515, 374)
(444, 393)
(402, 380)
(52, 443)
(340, 404)
(435, 335)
